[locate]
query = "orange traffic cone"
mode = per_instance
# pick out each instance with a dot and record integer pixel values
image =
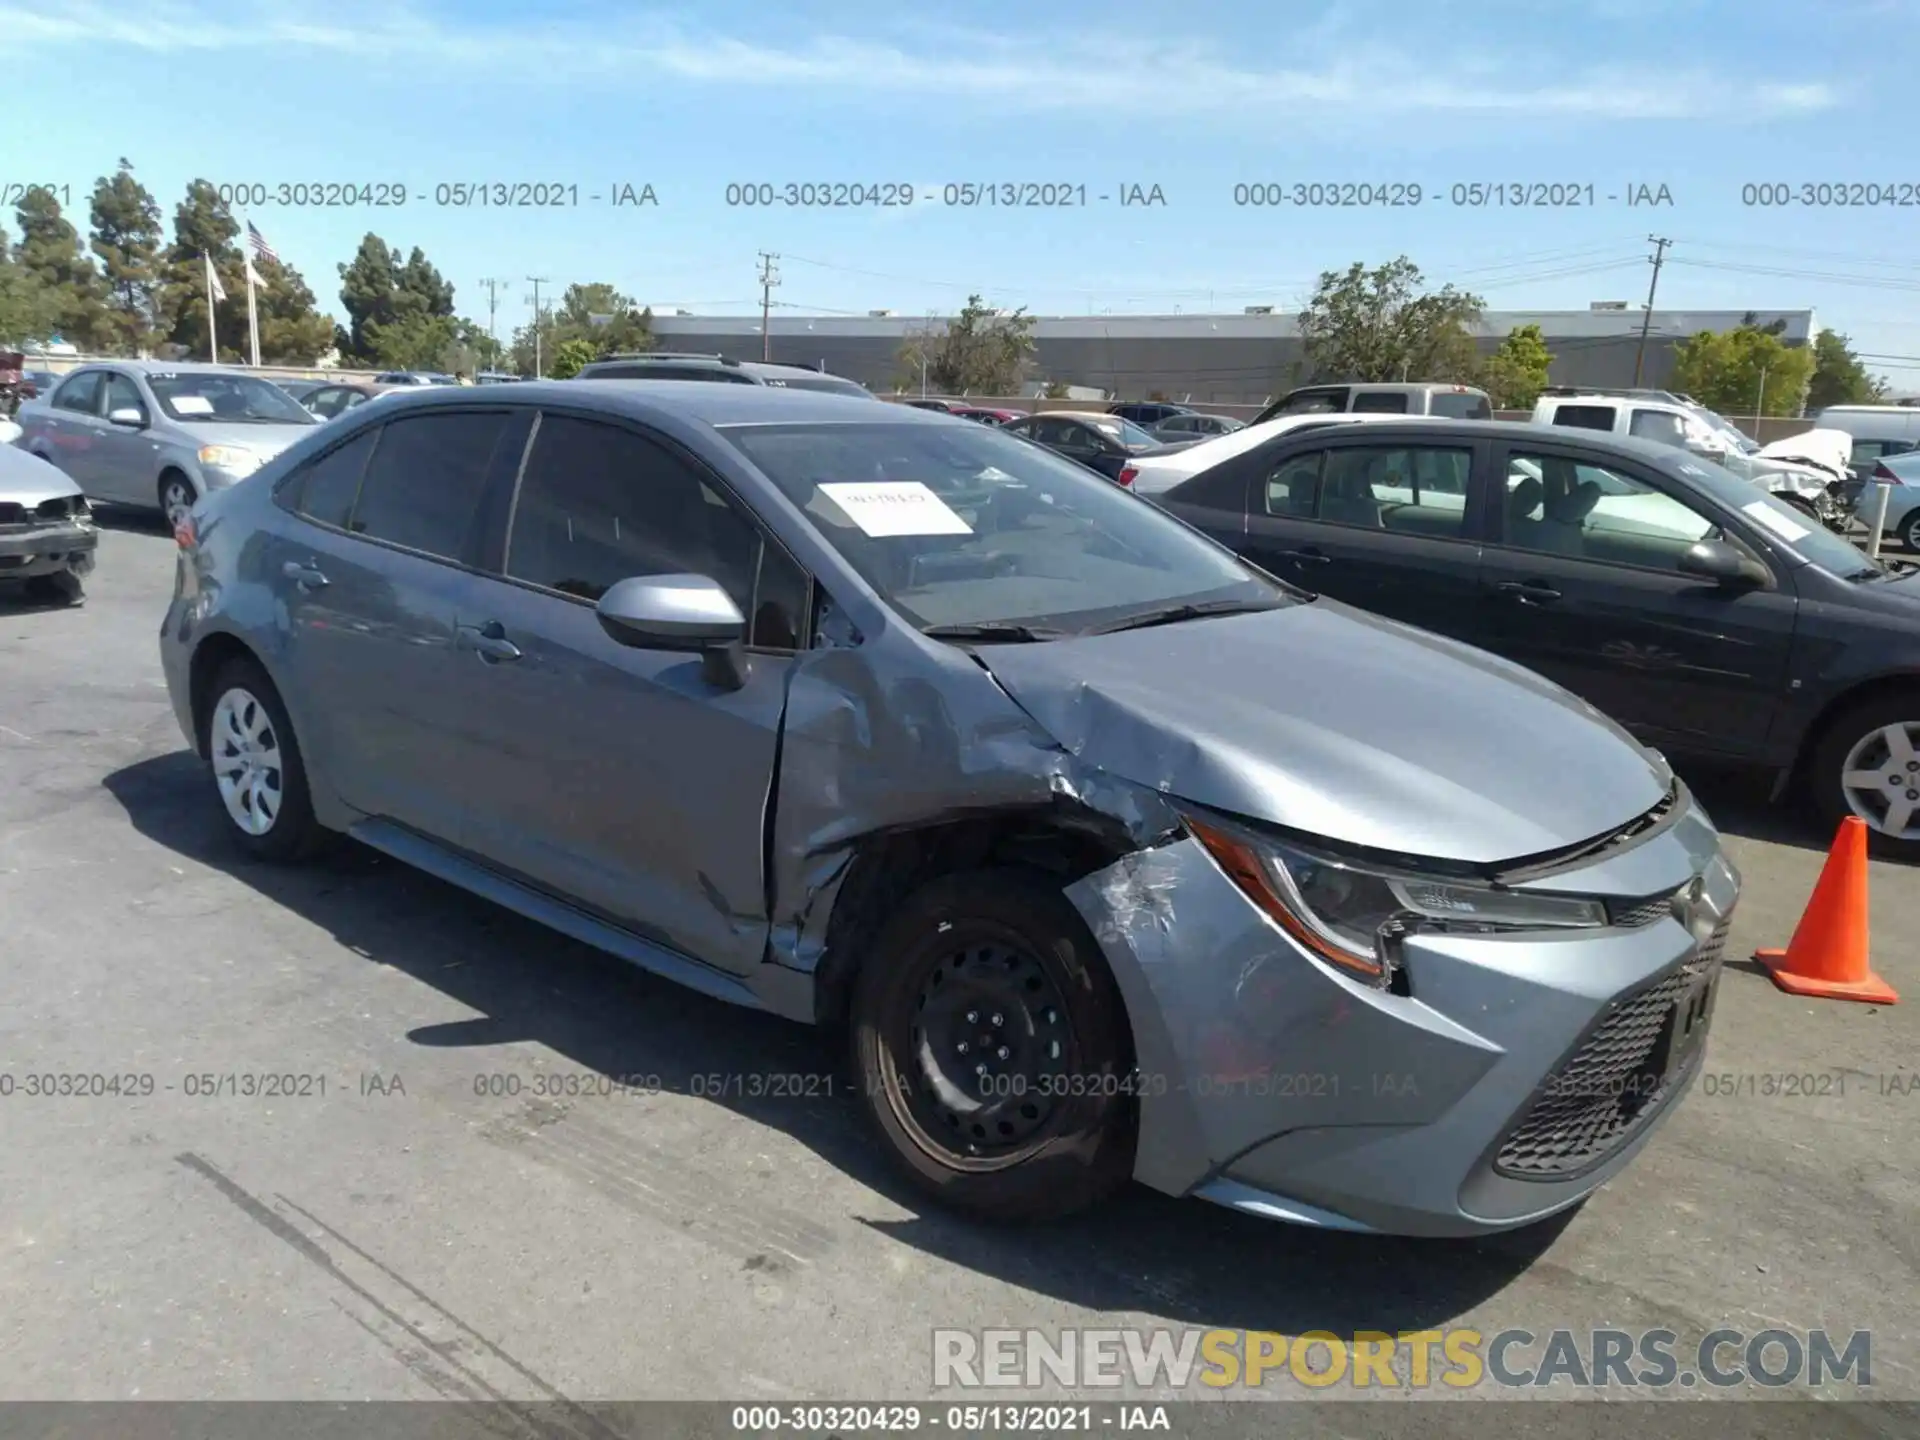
(1827, 957)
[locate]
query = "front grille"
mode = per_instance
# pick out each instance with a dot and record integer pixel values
(1598, 1099)
(18, 516)
(1631, 914)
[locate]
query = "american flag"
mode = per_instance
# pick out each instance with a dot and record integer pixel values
(259, 244)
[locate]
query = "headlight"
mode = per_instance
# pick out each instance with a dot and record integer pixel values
(230, 458)
(1353, 916)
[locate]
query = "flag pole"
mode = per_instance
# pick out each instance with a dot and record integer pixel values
(213, 343)
(253, 316)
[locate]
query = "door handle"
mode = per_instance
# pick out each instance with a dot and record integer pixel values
(305, 576)
(1529, 592)
(488, 641)
(1307, 557)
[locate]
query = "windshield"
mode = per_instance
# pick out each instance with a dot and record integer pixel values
(214, 397)
(963, 525)
(1462, 407)
(1793, 528)
(1118, 427)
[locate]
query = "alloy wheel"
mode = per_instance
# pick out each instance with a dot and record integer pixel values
(246, 761)
(1881, 779)
(176, 499)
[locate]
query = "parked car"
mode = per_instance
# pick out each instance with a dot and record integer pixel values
(300, 389)
(1707, 617)
(668, 365)
(1878, 431)
(1459, 402)
(336, 399)
(1066, 819)
(988, 415)
(37, 382)
(1195, 426)
(943, 407)
(47, 538)
(496, 377)
(1101, 442)
(160, 433)
(1148, 413)
(1820, 491)
(1155, 474)
(414, 377)
(1899, 475)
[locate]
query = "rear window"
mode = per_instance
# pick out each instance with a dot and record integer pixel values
(1451, 406)
(823, 384)
(1584, 417)
(1389, 402)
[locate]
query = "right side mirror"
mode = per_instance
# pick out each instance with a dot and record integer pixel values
(1722, 563)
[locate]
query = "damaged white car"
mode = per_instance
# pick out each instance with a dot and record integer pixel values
(47, 535)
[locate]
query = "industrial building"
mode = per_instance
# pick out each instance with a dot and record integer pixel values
(1239, 359)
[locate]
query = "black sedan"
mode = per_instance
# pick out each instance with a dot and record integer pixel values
(1702, 614)
(1102, 442)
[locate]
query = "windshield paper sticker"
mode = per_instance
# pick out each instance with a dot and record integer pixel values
(896, 507)
(192, 405)
(1764, 512)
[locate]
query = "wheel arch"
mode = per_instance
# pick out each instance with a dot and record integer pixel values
(214, 652)
(1063, 843)
(1862, 692)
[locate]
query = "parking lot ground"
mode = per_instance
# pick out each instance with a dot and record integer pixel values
(426, 1226)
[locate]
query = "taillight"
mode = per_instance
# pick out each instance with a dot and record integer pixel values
(1881, 472)
(1128, 474)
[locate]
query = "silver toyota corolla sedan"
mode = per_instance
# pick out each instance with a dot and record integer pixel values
(1107, 854)
(157, 434)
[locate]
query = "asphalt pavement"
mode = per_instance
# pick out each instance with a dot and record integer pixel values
(405, 1218)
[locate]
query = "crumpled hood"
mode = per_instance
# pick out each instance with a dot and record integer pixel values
(1829, 450)
(1330, 721)
(27, 479)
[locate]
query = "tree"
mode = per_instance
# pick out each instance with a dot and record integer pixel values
(399, 312)
(1381, 325)
(607, 321)
(1838, 376)
(980, 351)
(1516, 373)
(29, 312)
(570, 357)
(127, 239)
(203, 229)
(1726, 371)
(49, 251)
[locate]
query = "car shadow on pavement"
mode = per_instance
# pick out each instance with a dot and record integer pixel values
(132, 520)
(1185, 1261)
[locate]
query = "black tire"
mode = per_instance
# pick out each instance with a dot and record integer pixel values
(293, 834)
(1066, 1025)
(1827, 763)
(170, 481)
(64, 588)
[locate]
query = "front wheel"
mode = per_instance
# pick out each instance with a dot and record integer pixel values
(1868, 764)
(993, 1049)
(1910, 529)
(176, 498)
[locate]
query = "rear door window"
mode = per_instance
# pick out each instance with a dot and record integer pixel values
(1294, 486)
(1413, 490)
(423, 487)
(1380, 402)
(80, 395)
(1660, 426)
(326, 487)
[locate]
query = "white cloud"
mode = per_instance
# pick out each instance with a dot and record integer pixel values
(1331, 69)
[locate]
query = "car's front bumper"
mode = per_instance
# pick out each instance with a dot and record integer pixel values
(1502, 1089)
(65, 547)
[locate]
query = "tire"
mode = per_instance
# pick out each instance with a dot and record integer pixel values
(1910, 529)
(172, 488)
(64, 588)
(244, 706)
(1054, 1131)
(1856, 743)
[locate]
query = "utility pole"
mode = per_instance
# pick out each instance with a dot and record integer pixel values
(493, 304)
(1646, 321)
(769, 277)
(537, 281)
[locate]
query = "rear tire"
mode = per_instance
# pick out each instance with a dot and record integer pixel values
(254, 761)
(1910, 530)
(995, 969)
(1867, 763)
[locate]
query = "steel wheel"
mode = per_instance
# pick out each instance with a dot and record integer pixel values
(176, 500)
(1880, 779)
(247, 761)
(991, 1046)
(1910, 530)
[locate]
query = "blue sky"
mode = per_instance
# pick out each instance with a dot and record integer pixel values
(1702, 98)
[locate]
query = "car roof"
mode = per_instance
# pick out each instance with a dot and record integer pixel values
(1646, 450)
(1082, 414)
(716, 405)
(170, 367)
